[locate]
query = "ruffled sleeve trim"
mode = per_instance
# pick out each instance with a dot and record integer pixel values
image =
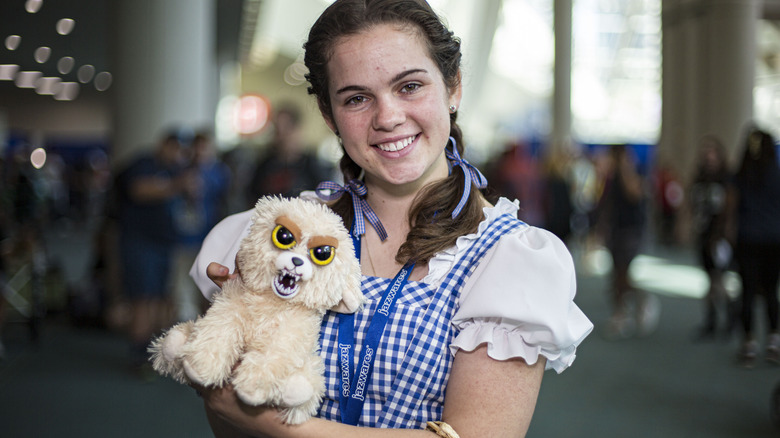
(519, 300)
(504, 342)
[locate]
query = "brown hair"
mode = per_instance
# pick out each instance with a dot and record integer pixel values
(759, 158)
(432, 227)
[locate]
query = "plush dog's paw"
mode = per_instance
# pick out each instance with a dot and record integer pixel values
(193, 374)
(172, 345)
(255, 396)
(297, 391)
(301, 400)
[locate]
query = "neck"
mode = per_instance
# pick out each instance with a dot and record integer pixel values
(392, 208)
(391, 204)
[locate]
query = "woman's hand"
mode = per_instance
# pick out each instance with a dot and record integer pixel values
(229, 417)
(219, 274)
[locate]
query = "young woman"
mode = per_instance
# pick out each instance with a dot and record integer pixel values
(757, 203)
(709, 221)
(489, 301)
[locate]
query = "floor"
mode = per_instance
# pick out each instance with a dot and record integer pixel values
(75, 382)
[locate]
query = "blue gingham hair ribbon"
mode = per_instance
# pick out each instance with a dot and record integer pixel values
(357, 190)
(472, 175)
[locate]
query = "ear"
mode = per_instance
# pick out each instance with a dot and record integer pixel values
(456, 93)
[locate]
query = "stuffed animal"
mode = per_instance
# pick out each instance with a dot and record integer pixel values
(261, 333)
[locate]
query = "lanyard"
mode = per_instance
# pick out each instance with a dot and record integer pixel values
(353, 385)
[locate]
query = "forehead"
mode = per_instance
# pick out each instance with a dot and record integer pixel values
(382, 49)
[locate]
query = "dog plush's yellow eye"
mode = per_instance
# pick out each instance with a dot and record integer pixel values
(283, 238)
(322, 255)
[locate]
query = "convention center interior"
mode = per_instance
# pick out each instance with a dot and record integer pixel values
(624, 127)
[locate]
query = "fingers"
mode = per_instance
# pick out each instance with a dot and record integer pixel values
(219, 274)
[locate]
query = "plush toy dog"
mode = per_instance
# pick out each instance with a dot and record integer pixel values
(261, 333)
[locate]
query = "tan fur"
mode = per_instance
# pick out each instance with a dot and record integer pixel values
(265, 345)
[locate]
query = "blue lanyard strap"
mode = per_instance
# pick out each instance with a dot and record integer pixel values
(353, 384)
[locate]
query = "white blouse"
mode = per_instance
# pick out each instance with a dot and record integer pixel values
(519, 300)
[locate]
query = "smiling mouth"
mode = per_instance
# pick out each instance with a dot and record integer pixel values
(396, 146)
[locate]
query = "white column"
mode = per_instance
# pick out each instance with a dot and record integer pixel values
(709, 53)
(166, 72)
(671, 97)
(731, 37)
(560, 136)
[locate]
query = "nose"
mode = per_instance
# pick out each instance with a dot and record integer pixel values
(297, 261)
(389, 114)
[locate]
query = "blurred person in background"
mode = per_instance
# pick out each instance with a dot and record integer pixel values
(557, 205)
(287, 166)
(621, 224)
(515, 174)
(147, 190)
(669, 197)
(26, 217)
(5, 221)
(195, 213)
(707, 201)
(757, 215)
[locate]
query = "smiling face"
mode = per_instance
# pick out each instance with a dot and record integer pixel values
(390, 106)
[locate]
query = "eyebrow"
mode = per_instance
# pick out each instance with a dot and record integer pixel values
(396, 78)
(290, 225)
(316, 241)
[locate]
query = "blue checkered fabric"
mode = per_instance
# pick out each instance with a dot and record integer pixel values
(413, 360)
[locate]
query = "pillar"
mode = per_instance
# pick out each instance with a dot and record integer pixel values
(709, 55)
(165, 70)
(560, 136)
(731, 35)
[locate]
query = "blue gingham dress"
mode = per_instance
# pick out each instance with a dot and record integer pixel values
(413, 360)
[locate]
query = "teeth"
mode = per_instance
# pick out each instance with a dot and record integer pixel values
(397, 145)
(286, 285)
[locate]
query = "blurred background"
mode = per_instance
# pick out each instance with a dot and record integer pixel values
(550, 87)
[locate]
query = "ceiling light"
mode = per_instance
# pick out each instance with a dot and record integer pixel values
(103, 81)
(42, 54)
(33, 6)
(86, 73)
(12, 42)
(67, 91)
(8, 72)
(65, 65)
(27, 79)
(48, 85)
(65, 26)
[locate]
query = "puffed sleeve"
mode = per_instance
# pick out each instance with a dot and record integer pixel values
(520, 302)
(221, 246)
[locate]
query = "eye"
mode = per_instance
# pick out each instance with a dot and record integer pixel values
(410, 87)
(322, 255)
(283, 238)
(356, 100)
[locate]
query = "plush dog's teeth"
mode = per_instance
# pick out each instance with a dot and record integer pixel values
(285, 285)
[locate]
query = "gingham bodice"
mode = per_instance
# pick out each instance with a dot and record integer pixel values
(413, 360)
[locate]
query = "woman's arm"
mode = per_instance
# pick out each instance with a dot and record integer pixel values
(485, 398)
(491, 398)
